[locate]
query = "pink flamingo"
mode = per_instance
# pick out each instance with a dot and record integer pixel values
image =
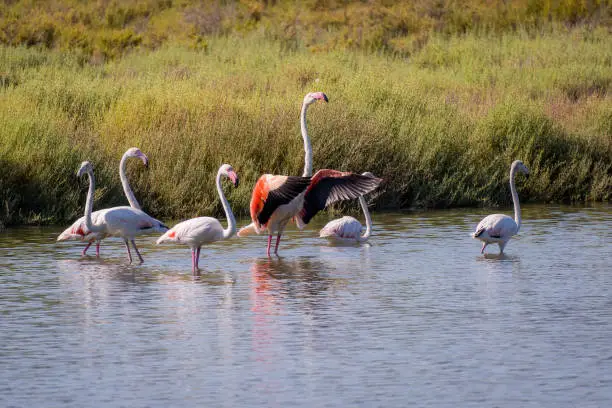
(78, 231)
(499, 228)
(277, 199)
(204, 230)
(125, 222)
(347, 229)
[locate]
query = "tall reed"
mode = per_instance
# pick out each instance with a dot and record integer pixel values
(440, 127)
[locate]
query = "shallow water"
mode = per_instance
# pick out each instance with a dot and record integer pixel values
(416, 317)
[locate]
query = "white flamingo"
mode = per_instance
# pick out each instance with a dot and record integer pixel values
(203, 230)
(125, 222)
(348, 229)
(78, 231)
(499, 228)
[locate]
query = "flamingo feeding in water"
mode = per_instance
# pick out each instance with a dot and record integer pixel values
(499, 228)
(348, 229)
(78, 230)
(277, 199)
(203, 230)
(125, 222)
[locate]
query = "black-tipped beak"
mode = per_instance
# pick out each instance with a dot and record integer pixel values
(325, 98)
(234, 178)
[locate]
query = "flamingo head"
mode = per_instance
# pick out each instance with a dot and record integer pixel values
(315, 96)
(518, 165)
(86, 167)
(228, 171)
(135, 152)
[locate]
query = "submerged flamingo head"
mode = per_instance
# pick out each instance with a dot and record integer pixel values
(315, 96)
(86, 167)
(135, 152)
(228, 171)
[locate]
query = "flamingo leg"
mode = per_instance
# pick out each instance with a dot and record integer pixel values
(269, 243)
(484, 245)
(86, 248)
(193, 261)
(137, 252)
(502, 245)
(127, 246)
(98, 249)
(197, 263)
(277, 242)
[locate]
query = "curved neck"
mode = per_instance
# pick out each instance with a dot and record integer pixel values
(515, 200)
(366, 213)
(307, 146)
(126, 184)
(231, 221)
(89, 204)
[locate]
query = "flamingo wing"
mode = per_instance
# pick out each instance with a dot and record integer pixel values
(78, 230)
(128, 222)
(195, 231)
(328, 186)
(272, 191)
(497, 226)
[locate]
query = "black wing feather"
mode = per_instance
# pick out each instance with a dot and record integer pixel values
(331, 189)
(290, 189)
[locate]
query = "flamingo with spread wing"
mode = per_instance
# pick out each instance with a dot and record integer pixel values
(277, 199)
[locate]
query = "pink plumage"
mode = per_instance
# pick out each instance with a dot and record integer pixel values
(200, 231)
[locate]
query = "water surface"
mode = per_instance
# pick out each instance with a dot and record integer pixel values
(417, 317)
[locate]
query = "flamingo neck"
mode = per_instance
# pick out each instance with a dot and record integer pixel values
(307, 146)
(231, 221)
(89, 204)
(126, 184)
(515, 199)
(368, 219)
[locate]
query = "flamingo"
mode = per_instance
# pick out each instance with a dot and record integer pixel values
(277, 199)
(348, 229)
(78, 231)
(125, 222)
(203, 230)
(499, 228)
(309, 99)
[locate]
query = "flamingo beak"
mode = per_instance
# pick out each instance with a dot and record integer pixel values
(234, 178)
(145, 160)
(321, 96)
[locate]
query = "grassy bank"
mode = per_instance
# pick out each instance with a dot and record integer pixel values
(441, 126)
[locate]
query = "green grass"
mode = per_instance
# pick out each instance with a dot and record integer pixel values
(441, 126)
